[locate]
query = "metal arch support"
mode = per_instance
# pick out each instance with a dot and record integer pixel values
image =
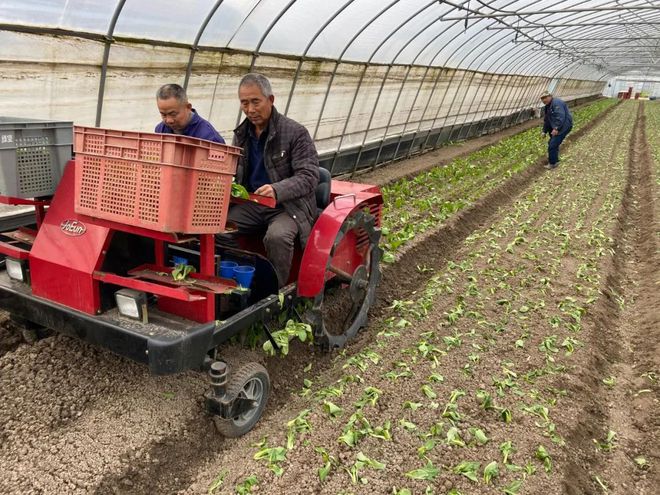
(550, 11)
(453, 100)
(510, 70)
(106, 56)
(650, 22)
(520, 95)
(307, 48)
(412, 106)
(405, 79)
(368, 62)
(503, 68)
(198, 36)
(522, 92)
(517, 29)
(435, 84)
(255, 53)
(432, 91)
(359, 155)
(464, 72)
(339, 59)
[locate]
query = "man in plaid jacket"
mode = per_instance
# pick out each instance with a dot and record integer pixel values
(279, 161)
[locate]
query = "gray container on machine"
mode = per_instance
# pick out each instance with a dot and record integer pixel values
(33, 154)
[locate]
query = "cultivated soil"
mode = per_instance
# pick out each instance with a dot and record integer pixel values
(528, 320)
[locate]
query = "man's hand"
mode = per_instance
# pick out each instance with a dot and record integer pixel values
(266, 190)
(554, 132)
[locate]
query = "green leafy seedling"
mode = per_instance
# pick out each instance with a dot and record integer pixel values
(513, 488)
(331, 409)
(297, 426)
(610, 381)
(607, 445)
(543, 456)
(454, 437)
(428, 472)
(245, 488)
(217, 482)
(491, 471)
(273, 456)
(479, 435)
(238, 191)
(507, 450)
(181, 271)
(469, 469)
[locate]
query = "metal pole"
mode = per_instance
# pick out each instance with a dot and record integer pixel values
(571, 10)
(338, 61)
(368, 63)
(198, 36)
(306, 50)
(106, 56)
(255, 53)
(651, 22)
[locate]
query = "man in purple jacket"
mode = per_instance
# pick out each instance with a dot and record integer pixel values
(179, 117)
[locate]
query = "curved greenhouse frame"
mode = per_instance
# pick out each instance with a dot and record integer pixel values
(371, 80)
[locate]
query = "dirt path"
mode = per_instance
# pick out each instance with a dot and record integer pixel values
(63, 401)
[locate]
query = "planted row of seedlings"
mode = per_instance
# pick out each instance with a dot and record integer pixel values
(415, 206)
(466, 388)
(442, 193)
(652, 110)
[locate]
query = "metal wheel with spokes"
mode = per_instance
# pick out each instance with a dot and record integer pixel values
(340, 310)
(251, 382)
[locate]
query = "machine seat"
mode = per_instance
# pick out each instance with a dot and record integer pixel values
(323, 189)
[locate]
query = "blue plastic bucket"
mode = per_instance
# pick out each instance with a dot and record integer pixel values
(178, 260)
(243, 275)
(227, 269)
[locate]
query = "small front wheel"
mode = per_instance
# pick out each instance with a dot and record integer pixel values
(251, 382)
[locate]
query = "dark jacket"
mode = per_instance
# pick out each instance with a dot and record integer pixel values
(557, 116)
(292, 164)
(197, 127)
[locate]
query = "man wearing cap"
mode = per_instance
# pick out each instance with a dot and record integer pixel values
(179, 117)
(557, 122)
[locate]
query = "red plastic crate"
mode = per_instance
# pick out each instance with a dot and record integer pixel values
(163, 182)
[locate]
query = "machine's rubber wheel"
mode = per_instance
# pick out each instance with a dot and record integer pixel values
(251, 381)
(349, 296)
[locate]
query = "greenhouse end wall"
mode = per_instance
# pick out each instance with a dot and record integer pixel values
(372, 113)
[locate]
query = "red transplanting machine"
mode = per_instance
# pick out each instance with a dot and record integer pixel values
(98, 265)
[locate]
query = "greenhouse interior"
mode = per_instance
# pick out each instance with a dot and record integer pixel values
(371, 80)
(394, 247)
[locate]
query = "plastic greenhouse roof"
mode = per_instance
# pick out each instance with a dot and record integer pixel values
(584, 39)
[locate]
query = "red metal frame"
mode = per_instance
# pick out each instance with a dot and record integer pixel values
(66, 267)
(312, 273)
(39, 206)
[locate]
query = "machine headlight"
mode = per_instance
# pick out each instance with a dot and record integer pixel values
(132, 303)
(16, 269)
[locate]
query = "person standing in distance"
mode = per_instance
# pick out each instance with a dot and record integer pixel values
(279, 161)
(557, 122)
(179, 117)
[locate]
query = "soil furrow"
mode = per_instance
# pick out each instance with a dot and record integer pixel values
(625, 330)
